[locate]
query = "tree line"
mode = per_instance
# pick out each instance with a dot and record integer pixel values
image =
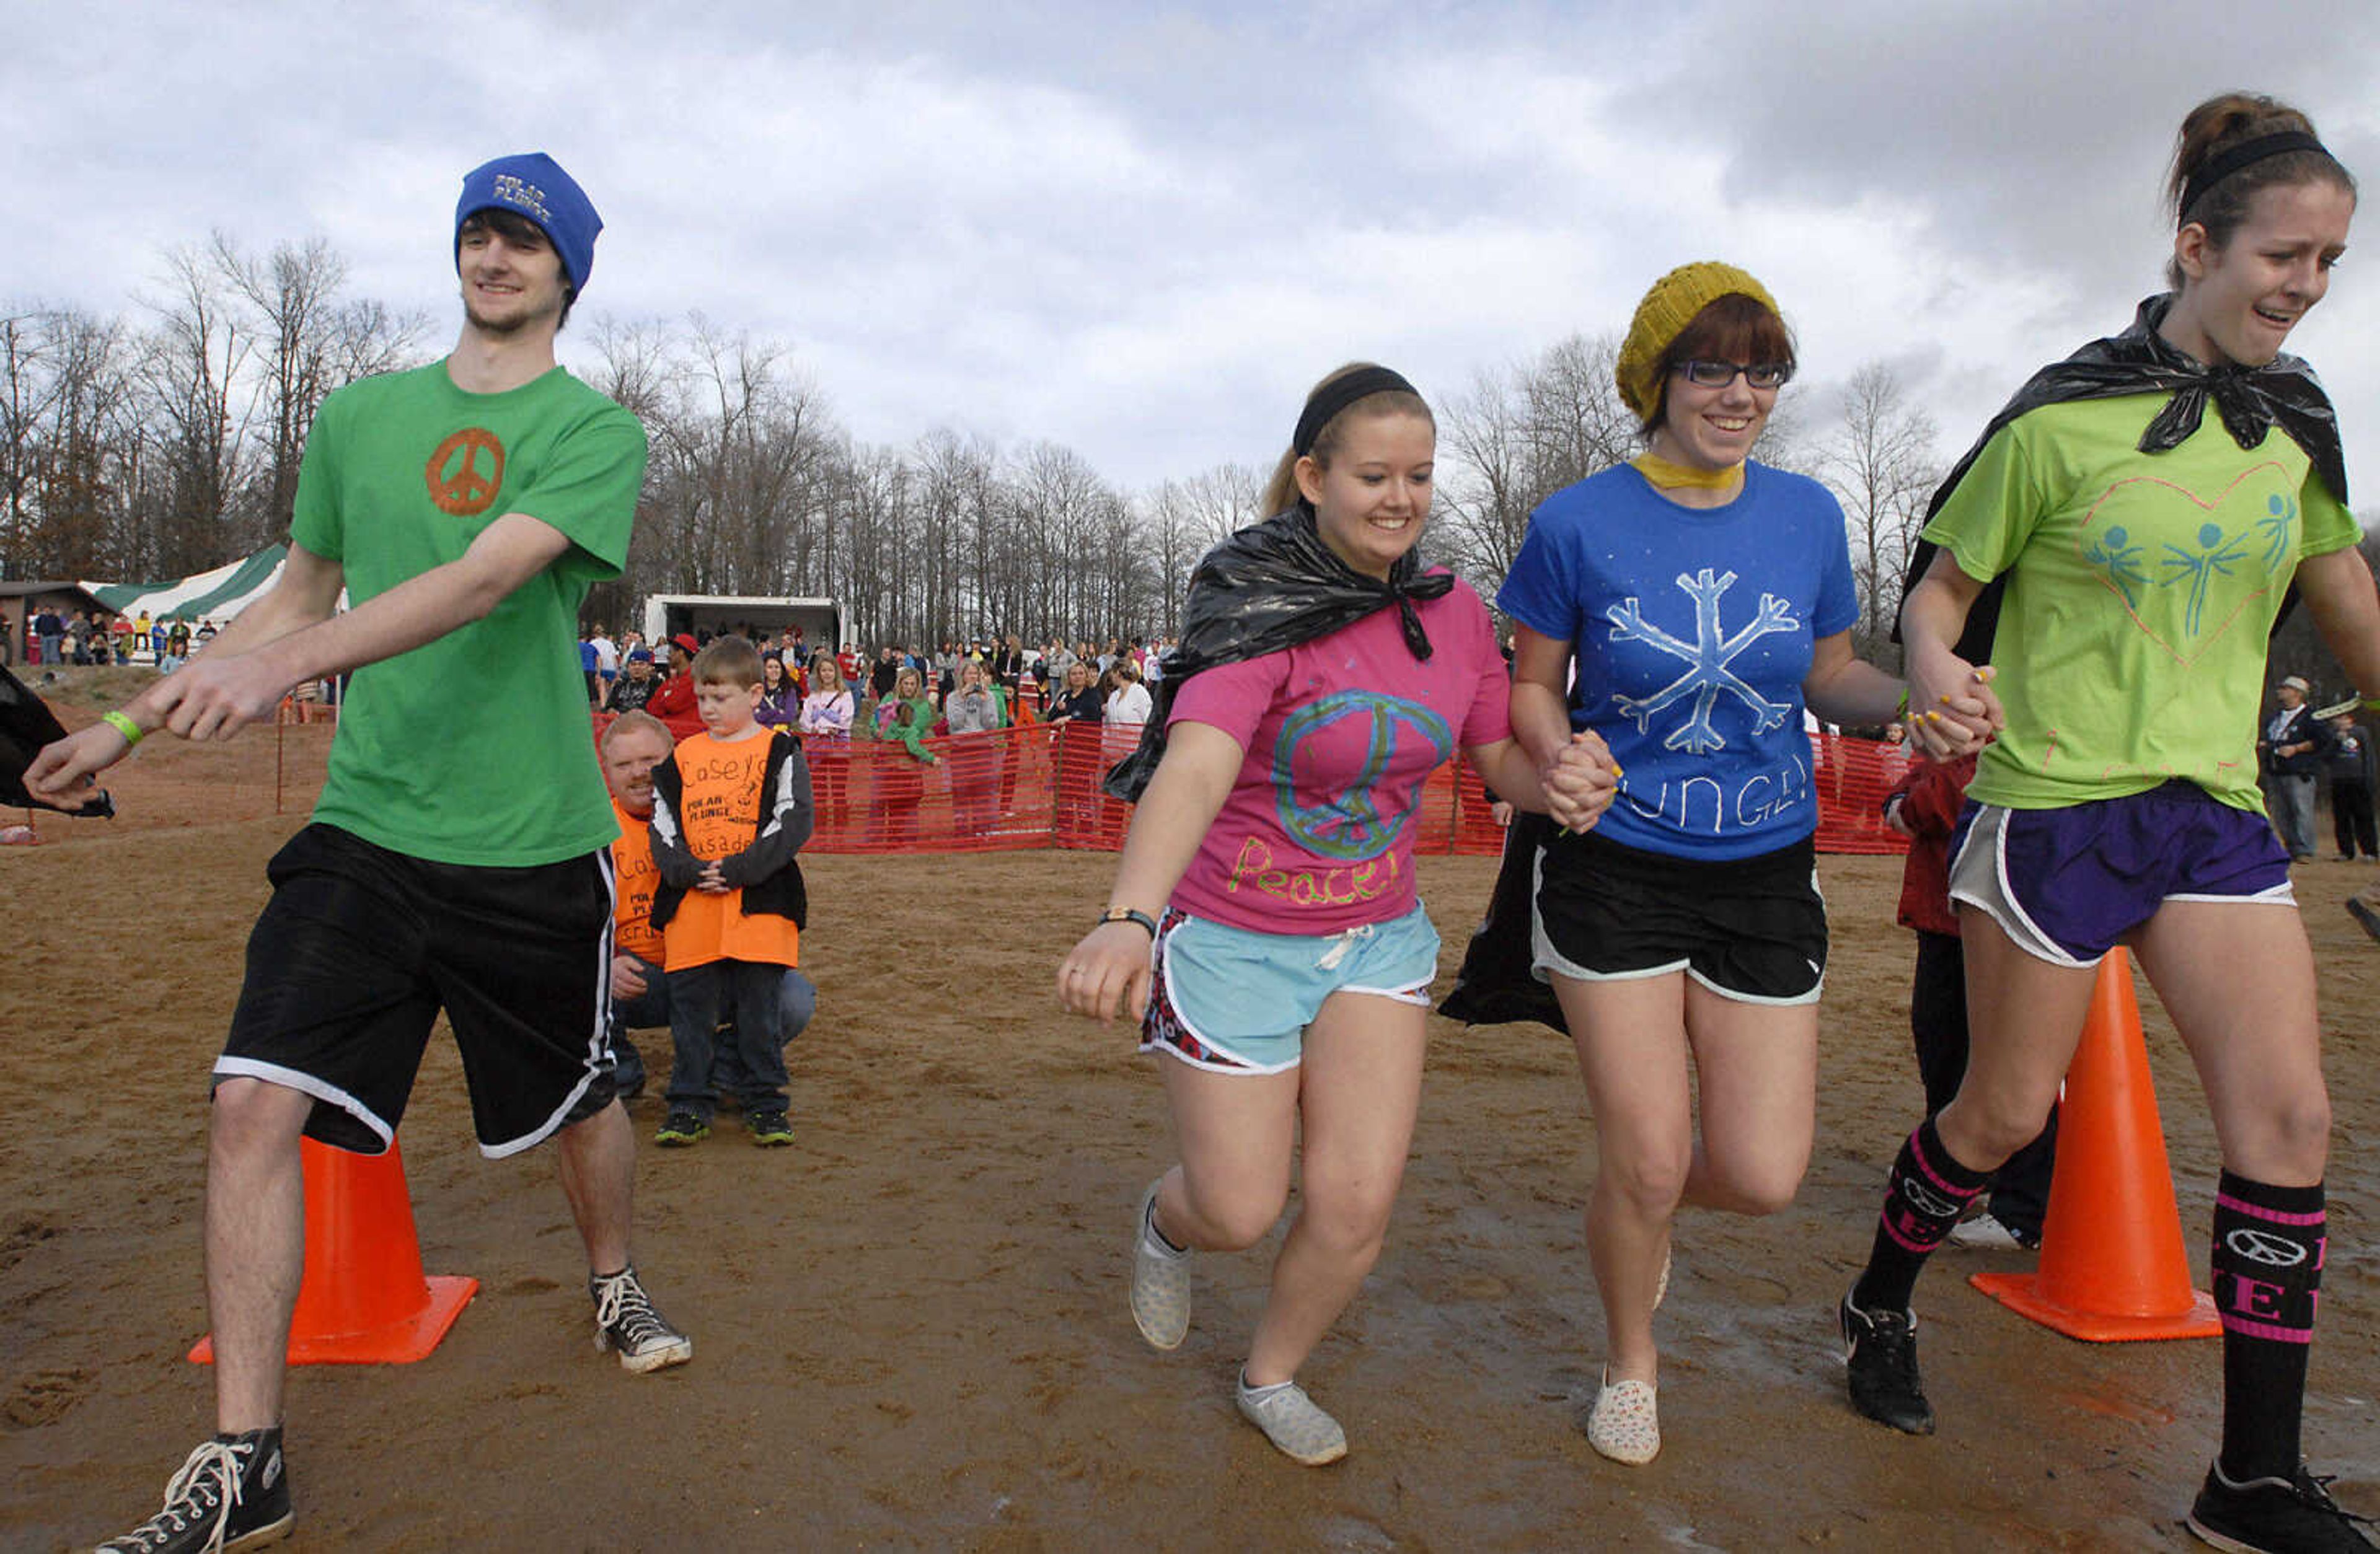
(167, 441)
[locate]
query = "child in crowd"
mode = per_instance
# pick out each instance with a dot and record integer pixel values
(730, 810)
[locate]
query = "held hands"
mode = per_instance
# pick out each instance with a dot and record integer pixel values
(711, 881)
(206, 698)
(64, 771)
(1579, 782)
(1107, 972)
(1952, 710)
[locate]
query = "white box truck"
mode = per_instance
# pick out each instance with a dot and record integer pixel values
(666, 614)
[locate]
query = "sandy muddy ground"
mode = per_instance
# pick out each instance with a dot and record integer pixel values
(911, 1325)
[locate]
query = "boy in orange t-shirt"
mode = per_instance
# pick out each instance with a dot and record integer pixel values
(730, 810)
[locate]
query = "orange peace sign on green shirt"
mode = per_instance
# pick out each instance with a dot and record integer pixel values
(458, 483)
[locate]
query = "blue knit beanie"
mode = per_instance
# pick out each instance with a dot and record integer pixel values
(533, 184)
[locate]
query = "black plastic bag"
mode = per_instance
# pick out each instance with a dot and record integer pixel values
(1497, 985)
(2284, 392)
(1271, 586)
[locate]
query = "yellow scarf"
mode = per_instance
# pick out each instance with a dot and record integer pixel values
(1666, 475)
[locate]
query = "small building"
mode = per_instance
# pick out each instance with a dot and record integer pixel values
(19, 602)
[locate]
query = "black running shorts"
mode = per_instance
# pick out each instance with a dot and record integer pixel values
(360, 947)
(1753, 930)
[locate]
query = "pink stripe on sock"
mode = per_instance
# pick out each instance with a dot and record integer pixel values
(1906, 1244)
(2259, 1211)
(1917, 1153)
(2246, 1328)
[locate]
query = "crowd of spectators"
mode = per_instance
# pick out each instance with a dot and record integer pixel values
(1003, 678)
(98, 639)
(924, 709)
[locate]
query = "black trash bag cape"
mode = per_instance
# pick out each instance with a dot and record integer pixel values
(1271, 586)
(2251, 400)
(26, 725)
(1496, 983)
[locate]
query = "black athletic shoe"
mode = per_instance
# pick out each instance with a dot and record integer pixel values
(683, 1128)
(2277, 1516)
(626, 1319)
(769, 1129)
(1881, 1347)
(230, 1494)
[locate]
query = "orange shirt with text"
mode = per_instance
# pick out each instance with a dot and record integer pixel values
(719, 813)
(634, 878)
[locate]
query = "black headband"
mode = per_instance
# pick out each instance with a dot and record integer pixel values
(1340, 393)
(2215, 169)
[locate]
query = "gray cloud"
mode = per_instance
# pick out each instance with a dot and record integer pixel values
(1145, 234)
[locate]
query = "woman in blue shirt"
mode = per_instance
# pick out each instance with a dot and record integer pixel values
(1673, 617)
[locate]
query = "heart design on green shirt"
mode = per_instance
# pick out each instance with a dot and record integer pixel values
(2241, 536)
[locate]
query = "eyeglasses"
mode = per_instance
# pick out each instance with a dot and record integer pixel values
(1766, 375)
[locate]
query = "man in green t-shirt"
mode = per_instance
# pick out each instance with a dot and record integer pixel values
(458, 857)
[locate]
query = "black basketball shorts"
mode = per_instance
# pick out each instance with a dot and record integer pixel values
(1753, 930)
(360, 947)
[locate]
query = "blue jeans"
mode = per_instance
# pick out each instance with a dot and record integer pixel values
(649, 1008)
(769, 1005)
(2292, 800)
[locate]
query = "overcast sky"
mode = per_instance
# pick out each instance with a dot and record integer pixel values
(1143, 232)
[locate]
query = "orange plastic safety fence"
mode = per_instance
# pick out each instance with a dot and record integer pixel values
(1030, 787)
(1038, 785)
(1853, 776)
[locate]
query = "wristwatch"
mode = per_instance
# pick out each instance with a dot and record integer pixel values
(1128, 915)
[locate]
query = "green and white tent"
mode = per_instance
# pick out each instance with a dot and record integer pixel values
(217, 595)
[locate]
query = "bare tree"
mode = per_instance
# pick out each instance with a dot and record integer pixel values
(27, 390)
(1224, 499)
(1487, 481)
(1880, 462)
(190, 368)
(308, 343)
(1515, 437)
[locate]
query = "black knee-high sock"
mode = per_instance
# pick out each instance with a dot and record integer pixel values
(2268, 1256)
(1924, 1197)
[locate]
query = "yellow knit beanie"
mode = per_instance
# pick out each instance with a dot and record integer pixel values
(1671, 305)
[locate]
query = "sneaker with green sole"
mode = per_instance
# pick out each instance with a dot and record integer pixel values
(681, 1129)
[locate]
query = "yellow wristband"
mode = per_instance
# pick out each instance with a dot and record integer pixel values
(123, 725)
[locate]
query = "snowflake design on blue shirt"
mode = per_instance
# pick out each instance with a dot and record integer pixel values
(1708, 659)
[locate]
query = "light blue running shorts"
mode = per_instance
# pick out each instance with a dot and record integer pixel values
(1235, 1000)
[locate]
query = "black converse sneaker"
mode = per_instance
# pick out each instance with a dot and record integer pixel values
(1880, 1348)
(230, 1494)
(2277, 1516)
(625, 1320)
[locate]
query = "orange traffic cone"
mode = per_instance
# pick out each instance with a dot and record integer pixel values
(364, 1300)
(2112, 1266)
